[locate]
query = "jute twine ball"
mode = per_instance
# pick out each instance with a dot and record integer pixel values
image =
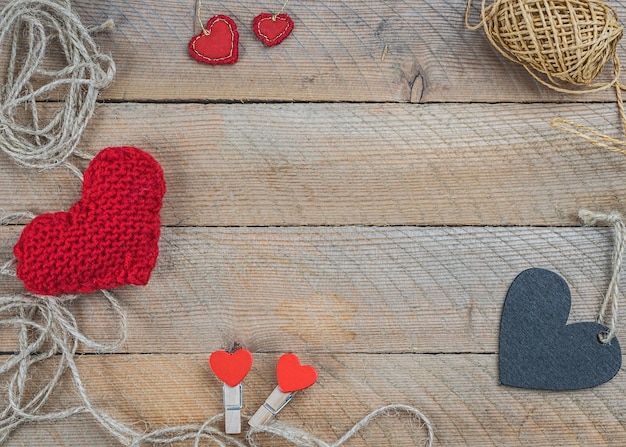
(559, 42)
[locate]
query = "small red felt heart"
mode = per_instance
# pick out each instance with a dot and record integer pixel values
(271, 29)
(107, 239)
(292, 376)
(218, 43)
(231, 368)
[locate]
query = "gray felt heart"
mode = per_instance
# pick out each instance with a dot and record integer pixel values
(539, 350)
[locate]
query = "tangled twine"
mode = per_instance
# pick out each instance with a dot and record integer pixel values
(32, 27)
(48, 330)
(564, 45)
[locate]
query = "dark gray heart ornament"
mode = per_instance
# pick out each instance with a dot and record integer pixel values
(539, 350)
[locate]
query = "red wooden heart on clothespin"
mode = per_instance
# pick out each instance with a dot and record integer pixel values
(218, 43)
(231, 368)
(107, 239)
(292, 376)
(271, 29)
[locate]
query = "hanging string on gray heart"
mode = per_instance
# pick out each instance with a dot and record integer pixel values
(608, 314)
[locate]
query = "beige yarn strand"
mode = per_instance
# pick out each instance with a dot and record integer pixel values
(610, 303)
(533, 34)
(301, 438)
(46, 331)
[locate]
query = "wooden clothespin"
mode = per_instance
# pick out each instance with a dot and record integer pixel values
(292, 377)
(231, 368)
(233, 402)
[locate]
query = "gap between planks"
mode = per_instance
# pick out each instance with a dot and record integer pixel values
(376, 164)
(459, 393)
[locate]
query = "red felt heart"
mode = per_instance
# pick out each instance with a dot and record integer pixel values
(218, 43)
(292, 376)
(272, 30)
(107, 239)
(231, 368)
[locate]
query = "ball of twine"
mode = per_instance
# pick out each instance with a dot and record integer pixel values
(564, 45)
(559, 42)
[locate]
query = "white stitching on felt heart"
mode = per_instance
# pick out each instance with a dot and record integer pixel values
(278, 36)
(207, 32)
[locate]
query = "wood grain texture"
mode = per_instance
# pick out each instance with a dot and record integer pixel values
(349, 50)
(329, 164)
(459, 393)
(363, 195)
(342, 289)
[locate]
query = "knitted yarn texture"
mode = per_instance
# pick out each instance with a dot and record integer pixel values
(108, 238)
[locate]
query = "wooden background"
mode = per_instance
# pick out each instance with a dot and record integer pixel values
(362, 195)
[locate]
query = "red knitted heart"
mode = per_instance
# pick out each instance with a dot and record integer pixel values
(272, 30)
(231, 368)
(292, 376)
(107, 239)
(218, 43)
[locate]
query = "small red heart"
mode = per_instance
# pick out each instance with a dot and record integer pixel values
(218, 43)
(271, 29)
(292, 376)
(231, 368)
(107, 239)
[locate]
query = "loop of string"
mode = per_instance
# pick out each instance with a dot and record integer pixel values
(610, 302)
(28, 28)
(551, 52)
(301, 438)
(46, 330)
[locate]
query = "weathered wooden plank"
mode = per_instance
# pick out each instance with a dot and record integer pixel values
(345, 50)
(459, 393)
(328, 164)
(341, 289)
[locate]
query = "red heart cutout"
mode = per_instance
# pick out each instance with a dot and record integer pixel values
(231, 368)
(272, 30)
(292, 376)
(218, 43)
(107, 239)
